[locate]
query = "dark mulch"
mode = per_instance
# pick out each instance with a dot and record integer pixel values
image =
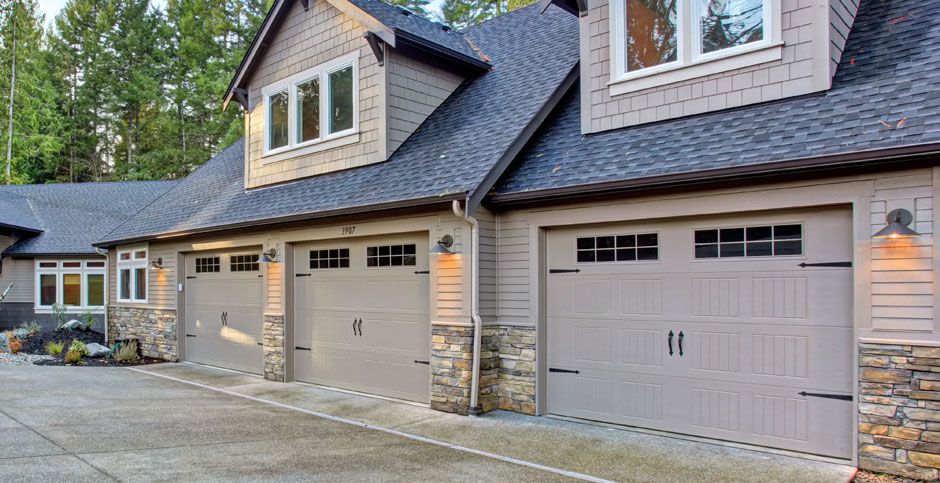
(868, 477)
(98, 361)
(36, 344)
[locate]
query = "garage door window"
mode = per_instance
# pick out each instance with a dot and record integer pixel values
(391, 256)
(244, 263)
(329, 258)
(618, 248)
(751, 241)
(208, 265)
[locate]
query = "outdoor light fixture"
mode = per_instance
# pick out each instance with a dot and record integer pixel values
(269, 256)
(443, 245)
(156, 264)
(898, 220)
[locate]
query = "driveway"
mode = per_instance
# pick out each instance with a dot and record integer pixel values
(183, 422)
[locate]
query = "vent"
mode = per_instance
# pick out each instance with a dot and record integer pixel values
(403, 10)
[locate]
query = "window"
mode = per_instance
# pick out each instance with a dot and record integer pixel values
(78, 285)
(751, 241)
(391, 256)
(652, 36)
(618, 248)
(330, 258)
(317, 105)
(244, 263)
(208, 265)
(132, 276)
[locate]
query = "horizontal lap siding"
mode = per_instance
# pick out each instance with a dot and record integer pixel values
(902, 285)
(19, 272)
(489, 284)
(513, 273)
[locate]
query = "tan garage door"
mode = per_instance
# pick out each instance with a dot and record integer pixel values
(362, 315)
(223, 310)
(707, 326)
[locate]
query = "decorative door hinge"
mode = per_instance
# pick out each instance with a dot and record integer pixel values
(566, 371)
(301, 274)
(826, 264)
(190, 277)
(421, 272)
(190, 335)
(297, 347)
(564, 270)
(427, 363)
(840, 397)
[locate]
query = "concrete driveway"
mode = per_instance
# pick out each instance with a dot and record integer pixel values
(183, 422)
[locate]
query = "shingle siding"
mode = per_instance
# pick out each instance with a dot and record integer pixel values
(841, 17)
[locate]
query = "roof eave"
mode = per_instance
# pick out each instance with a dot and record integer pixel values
(356, 210)
(34, 231)
(833, 161)
(472, 64)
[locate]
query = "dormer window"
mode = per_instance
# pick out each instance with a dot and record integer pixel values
(315, 109)
(657, 42)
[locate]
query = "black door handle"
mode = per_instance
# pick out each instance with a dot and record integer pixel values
(354, 326)
(681, 335)
(670, 342)
(360, 327)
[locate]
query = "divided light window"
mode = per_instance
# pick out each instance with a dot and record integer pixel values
(314, 106)
(244, 263)
(391, 256)
(132, 275)
(208, 265)
(329, 258)
(618, 248)
(76, 284)
(660, 34)
(751, 241)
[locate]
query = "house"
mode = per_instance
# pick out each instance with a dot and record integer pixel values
(46, 252)
(714, 221)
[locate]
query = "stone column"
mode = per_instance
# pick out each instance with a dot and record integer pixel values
(274, 364)
(517, 369)
(451, 360)
(899, 410)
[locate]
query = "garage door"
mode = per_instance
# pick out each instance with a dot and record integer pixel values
(736, 328)
(223, 310)
(362, 315)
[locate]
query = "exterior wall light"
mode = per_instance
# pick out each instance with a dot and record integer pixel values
(443, 246)
(269, 256)
(898, 221)
(157, 264)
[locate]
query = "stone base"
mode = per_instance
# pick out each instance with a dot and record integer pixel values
(899, 410)
(274, 367)
(451, 360)
(516, 369)
(154, 329)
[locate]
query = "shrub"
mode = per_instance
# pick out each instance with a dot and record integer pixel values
(126, 352)
(55, 348)
(32, 327)
(79, 346)
(72, 356)
(58, 313)
(16, 345)
(88, 320)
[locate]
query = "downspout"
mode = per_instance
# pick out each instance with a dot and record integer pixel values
(475, 409)
(107, 287)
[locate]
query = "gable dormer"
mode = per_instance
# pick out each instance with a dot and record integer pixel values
(652, 60)
(337, 84)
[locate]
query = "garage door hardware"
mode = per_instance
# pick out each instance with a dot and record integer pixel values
(298, 348)
(564, 270)
(566, 371)
(826, 264)
(225, 318)
(360, 327)
(301, 274)
(427, 363)
(190, 277)
(419, 272)
(190, 335)
(681, 335)
(260, 343)
(669, 339)
(840, 397)
(359, 323)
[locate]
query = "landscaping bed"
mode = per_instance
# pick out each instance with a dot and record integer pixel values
(36, 343)
(59, 360)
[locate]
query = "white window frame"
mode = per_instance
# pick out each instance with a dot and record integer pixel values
(83, 270)
(689, 63)
(133, 264)
(327, 140)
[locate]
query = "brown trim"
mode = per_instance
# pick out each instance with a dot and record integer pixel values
(382, 207)
(828, 162)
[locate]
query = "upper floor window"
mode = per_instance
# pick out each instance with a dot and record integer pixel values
(132, 275)
(654, 36)
(313, 106)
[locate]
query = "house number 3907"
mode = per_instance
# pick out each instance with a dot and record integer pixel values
(349, 230)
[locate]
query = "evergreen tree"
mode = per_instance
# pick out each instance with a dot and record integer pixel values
(461, 14)
(416, 7)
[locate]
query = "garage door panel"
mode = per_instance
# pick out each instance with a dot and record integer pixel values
(754, 332)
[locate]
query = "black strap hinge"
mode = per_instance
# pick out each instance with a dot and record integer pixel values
(427, 363)
(188, 277)
(301, 274)
(297, 347)
(190, 335)
(564, 270)
(840, 397)
(419, 272)
(826, 264)
(566, 371)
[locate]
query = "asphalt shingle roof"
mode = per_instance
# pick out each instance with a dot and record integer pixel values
(72, 216)
(15, 212)
(451, 152)
(886, 93)
(395, 18)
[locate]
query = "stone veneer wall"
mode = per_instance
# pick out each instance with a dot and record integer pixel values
(489, 369)
(516, 369)
(451, 359)
(154, 329)
(274, 368)
(899, 410)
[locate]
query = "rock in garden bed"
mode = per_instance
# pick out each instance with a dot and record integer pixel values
(36, 344)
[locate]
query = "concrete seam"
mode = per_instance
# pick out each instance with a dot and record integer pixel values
(570, 474)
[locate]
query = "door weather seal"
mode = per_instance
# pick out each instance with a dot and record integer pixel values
(566, 371)
(840, 397)
(564, 270)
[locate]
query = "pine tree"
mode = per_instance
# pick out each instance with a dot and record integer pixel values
(461, 14)
(416, 7)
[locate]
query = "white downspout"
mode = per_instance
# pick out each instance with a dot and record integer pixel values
(475, 409)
